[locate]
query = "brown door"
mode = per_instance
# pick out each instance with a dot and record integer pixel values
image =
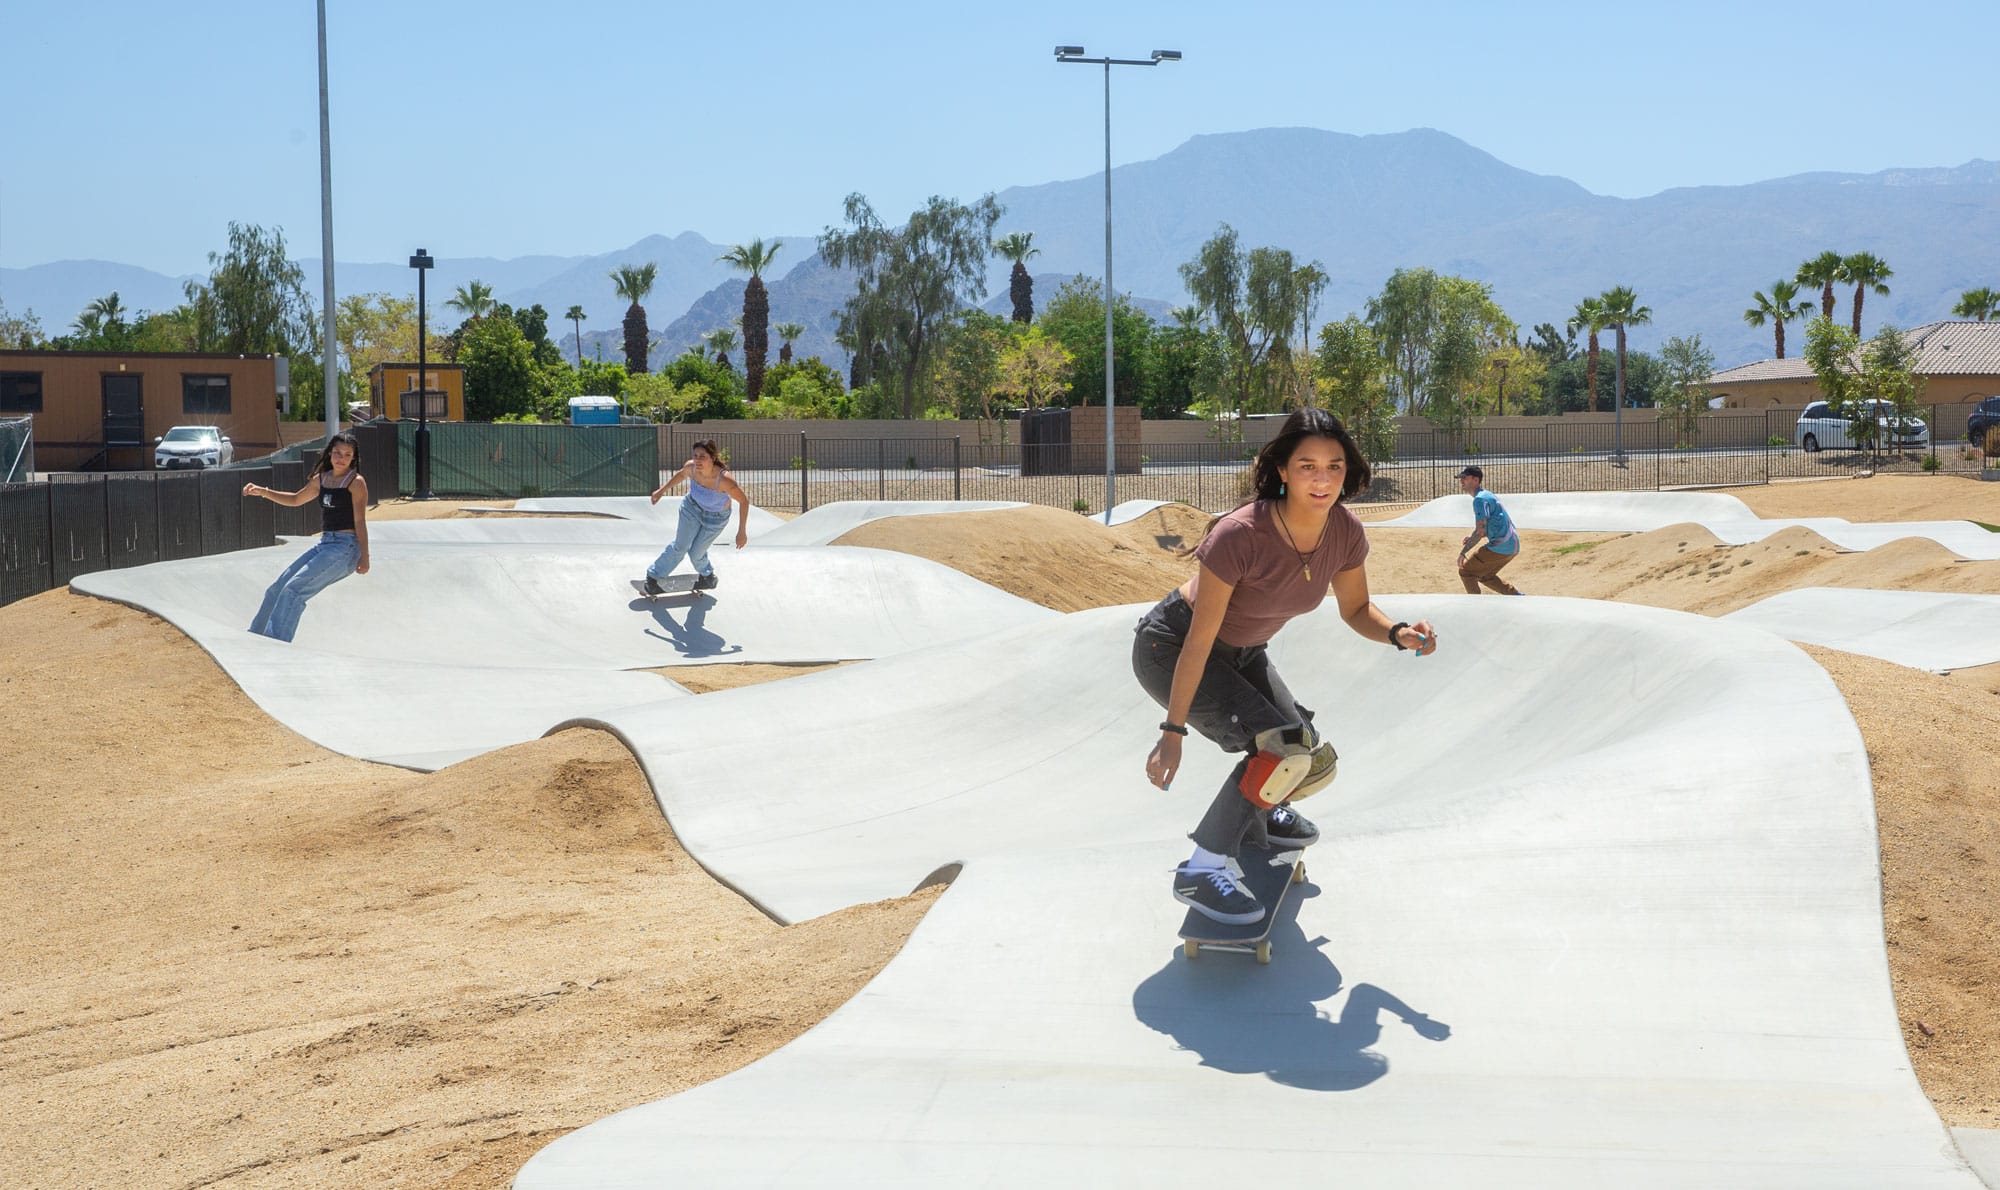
(124, 410)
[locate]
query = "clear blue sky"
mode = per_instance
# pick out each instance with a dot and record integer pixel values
(136, 132)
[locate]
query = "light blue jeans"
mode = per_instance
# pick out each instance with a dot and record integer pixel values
(692, 537)
(325, 564)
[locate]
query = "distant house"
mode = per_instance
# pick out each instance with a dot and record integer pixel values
(101, 410)
(1959, 361)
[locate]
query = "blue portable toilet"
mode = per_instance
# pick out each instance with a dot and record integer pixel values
(593, 411)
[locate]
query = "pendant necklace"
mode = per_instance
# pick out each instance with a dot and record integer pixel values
(1305, 565)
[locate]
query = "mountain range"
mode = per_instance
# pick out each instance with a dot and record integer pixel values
(1362, 206)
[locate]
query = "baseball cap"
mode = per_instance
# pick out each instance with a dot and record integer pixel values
(1474, 472)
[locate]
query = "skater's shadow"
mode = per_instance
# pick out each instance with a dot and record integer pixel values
(690, 635)
(1244, 1018)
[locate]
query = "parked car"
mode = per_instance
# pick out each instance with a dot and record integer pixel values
(192, 446)
(1820, 428)
(1984, 417)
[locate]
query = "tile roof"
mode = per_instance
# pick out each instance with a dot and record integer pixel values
(1954, 348)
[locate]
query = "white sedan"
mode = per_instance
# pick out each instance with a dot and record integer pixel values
(192, 446)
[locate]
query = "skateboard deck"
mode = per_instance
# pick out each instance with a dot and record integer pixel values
(673, 584)
(1270, 875)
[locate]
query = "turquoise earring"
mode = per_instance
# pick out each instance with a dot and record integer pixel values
(1281, 489)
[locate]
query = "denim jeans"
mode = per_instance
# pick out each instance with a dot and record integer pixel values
(1240, 696)
(692, 537)
(326, 563)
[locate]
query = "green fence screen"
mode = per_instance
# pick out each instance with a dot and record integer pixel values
(504, 461)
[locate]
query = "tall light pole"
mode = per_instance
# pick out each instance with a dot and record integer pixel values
(421, 262)
(1074, 53)
(329, 348)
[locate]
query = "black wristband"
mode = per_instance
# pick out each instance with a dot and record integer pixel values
(1400, 625)
(1176, 729)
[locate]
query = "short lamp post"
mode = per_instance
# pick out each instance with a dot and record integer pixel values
(422, 262)
(1074, 53)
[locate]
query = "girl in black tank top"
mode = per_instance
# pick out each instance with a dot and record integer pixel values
(342, 550)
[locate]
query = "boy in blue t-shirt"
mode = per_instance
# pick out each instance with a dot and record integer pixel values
(1494, 530)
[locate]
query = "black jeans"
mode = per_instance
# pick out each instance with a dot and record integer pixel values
(1240, 696)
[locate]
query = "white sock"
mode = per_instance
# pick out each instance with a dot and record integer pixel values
(1205, 860)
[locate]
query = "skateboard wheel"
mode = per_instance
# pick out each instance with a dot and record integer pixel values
(1191, 949)
(1299, 873)
(1263, 952)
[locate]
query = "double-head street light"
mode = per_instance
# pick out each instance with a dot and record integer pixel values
(422, 262)
(1074, 53)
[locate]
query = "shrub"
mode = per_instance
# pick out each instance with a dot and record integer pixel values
(1080, 505)
(1931, 462)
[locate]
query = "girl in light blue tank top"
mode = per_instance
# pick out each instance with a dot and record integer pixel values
(704, 514)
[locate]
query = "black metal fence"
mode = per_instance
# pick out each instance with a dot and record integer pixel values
(50, 532)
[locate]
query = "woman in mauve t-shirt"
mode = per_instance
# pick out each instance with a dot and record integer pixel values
(1200, 651)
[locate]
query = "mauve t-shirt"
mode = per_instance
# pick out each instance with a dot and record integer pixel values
(1247, 550)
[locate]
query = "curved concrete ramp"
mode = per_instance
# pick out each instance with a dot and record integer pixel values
(1922, 629)
(1132, 510)
(1728, 518)
(443, 651)
(1596, 905)
(663, 515)
(828, 522)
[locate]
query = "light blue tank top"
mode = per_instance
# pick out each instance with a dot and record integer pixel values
(707, 499)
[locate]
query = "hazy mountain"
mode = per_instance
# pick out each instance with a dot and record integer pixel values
(1363, 206)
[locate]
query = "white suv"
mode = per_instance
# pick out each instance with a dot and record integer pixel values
(1820, 428)
(192, 446)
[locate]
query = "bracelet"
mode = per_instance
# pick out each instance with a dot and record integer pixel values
(1400, 625)
(1177, 730)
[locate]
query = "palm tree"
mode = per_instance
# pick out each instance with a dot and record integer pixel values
(1622, 309)
(752, 259)
(474, 300)
(1781, 307)
(109, 310)
(1824, 271)
(724, 342)
(1866, 272)
(633, 283)
(576, 316)
(1020, 286)
(787, 331)
(1590, 317)
(1981, 303)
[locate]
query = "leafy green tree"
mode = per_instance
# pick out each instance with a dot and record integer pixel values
(1982, 303)
(1622, 309)
(1178, 349)
(1351, 375)
(1589, 317)
(499, 368)
(22, 332)
(1830, 352)
(1888, 371)
(1254, 300)
(910, 280)
(1019, 248)
(1507, 368)
(1866, 272)
(722, 390)
(633, 283)
(474, 300)
(787, 332)
(753, 258)
(1552, 344)
(576, 316)
(1565, 389)
(805, 388)
(1034, 369)
(1074, 318)
(1687, 365)
(966, 364)
(1435, 330)
(258, 299)
(1824, 271)
(1782, 306)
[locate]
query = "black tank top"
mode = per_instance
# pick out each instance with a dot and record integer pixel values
(336, 505)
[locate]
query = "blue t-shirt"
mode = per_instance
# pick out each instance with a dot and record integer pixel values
(1500, 535)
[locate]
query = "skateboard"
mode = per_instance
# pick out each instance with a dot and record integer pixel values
(673, 584)
(1269, 875)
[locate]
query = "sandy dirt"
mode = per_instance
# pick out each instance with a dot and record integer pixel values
(235, 959)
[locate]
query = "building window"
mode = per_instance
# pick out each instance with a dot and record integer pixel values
(20, 392)
(205, 394)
